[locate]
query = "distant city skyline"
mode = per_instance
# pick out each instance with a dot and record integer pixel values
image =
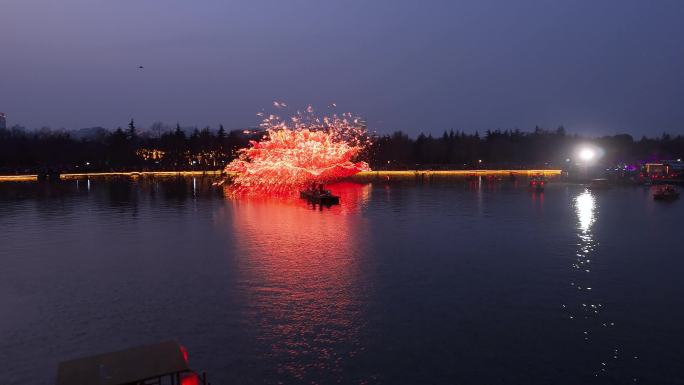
(595, 67)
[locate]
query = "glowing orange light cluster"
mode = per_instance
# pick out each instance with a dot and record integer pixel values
(296, 153)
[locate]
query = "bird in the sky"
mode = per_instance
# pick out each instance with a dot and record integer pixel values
(141, 67)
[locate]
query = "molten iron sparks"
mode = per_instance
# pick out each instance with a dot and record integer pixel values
(295, 154)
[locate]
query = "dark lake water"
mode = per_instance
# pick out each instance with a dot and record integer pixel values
(453, 283)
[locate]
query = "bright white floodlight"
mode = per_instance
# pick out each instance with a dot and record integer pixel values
(587, 154)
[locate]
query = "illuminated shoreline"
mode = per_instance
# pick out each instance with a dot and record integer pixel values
(365, 175)
(412, 173)
(130, 174)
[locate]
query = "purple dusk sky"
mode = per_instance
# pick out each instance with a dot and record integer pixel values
(595, 66)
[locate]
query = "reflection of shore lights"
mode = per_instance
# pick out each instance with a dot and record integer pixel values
(587, 154)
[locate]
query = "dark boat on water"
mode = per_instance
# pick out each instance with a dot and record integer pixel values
(537, 183)
(599, 184)
(319, 196)
(665, 193)
(48, 175)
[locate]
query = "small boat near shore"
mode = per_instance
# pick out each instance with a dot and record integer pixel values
(599, 184)
(666, 193)
(537, 183)
(48, 175)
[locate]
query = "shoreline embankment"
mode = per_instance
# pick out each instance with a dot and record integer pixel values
(362, 176)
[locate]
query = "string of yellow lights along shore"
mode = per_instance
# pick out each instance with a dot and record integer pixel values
(363, 174)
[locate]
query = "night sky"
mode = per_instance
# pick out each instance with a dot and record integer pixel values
(596, 67)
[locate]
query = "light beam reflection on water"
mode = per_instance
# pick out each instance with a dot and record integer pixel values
(588, 311)
(585, 206)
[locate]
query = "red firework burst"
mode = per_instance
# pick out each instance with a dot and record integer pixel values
(298, 153)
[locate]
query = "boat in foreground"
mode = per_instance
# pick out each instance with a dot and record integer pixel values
(162, 363)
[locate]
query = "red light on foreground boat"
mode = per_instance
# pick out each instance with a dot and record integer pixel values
(184, 351)
(189, 379)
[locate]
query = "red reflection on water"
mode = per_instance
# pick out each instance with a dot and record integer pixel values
(352, 197)
(537, 195)
(300, 272)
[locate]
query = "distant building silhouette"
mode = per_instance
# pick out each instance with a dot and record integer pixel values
(3, 122)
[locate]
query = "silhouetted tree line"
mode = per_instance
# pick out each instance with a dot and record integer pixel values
(164, 148)
(159, 148)
(540, 148)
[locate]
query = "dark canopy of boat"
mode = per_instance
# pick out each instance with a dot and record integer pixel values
(125, 366)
